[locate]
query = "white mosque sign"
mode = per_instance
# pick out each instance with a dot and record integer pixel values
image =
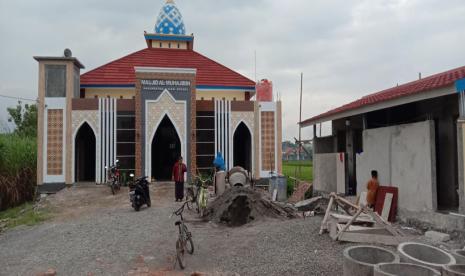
(170, 85)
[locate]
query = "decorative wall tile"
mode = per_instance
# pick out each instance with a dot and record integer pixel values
(176, 113)
(55, 141)
(268, 141)
(246, 117)
(80, 116)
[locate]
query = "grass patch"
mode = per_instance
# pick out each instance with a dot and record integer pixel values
(22, 215)
(291, 169)
(16, 153)
(18, 159)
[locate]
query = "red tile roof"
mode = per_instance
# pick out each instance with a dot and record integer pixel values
(419, 86)
(121, 71)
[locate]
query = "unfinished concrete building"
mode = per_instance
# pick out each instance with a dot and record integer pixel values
(413, 135)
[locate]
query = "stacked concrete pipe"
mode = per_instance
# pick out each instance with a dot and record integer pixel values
(423, 254)
(459, 256)
(404, 269)
(361, 260)
(454, 270)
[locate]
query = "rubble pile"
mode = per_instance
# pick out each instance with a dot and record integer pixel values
(240, 205)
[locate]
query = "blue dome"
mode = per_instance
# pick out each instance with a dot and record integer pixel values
(170, 20)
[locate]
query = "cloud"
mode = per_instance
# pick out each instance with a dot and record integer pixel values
(346, 49)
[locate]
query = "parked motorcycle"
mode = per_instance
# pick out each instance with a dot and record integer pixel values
(113, 177)
(139, 193)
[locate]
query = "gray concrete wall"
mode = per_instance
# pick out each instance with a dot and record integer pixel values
(328, 173)
(404, 156)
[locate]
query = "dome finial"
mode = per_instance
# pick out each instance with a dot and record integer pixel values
(170, 20)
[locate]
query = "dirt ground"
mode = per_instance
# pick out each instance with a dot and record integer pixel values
(95, 233)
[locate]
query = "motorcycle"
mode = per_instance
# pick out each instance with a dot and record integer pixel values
(139, 193)
(113, 177)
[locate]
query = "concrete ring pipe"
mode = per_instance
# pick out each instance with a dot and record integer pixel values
(459, 256)
(453, 270)
(423, 254)
(361, 260)
(404, 269)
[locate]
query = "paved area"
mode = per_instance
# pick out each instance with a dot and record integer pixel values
(94, 233)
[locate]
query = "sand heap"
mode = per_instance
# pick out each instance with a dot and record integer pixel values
(240, 205)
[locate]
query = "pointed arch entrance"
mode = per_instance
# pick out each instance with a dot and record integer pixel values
(166, 148)
(84, 154)
(242, 147)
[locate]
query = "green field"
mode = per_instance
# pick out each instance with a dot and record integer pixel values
(305, 173)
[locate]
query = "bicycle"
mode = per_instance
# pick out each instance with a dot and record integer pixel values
(113, 177)
(202, 198)
(184, 242)
(191, 196)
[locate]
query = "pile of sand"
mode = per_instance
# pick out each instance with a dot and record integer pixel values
(240, 205)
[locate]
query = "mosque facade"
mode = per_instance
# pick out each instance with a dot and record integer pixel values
(148, 108)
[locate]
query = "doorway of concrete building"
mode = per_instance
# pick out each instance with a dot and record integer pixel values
(166, 148)
(84, 153)
(446, 164)
(243, 147)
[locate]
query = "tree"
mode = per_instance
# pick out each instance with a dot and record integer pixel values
(25, 119)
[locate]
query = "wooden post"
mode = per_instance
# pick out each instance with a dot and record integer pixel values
(328, 210)
(349, 223)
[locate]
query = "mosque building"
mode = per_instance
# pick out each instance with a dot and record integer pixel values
(150, 107)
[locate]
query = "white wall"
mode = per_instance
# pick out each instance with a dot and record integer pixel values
(404, 156)
(329, 172)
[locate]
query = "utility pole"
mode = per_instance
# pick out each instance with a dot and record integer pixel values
(300, 121)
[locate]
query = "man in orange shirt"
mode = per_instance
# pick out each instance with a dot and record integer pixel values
(372, 187)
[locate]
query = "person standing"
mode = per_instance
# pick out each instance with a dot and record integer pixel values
(179, 169)
(372, 189)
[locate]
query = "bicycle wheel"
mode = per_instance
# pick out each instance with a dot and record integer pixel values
(180, 253)
(203, 200)
(190, 246)
(189, 198)
(112, 186)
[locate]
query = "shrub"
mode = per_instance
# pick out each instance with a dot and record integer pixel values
(18, 157)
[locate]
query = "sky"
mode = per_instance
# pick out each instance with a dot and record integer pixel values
(345, 48)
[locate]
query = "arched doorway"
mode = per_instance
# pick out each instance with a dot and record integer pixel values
(166, 149)
(84, 154)
(243, 147)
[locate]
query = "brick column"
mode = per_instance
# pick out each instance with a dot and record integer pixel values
(193, 137)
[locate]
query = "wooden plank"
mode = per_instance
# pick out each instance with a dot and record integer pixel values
(345, 201)
(362, 228)
(384, 223)
(387, 206)
(325, 219)
(345, 218)
(349, 223)
(374, 230)
(372, 238)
